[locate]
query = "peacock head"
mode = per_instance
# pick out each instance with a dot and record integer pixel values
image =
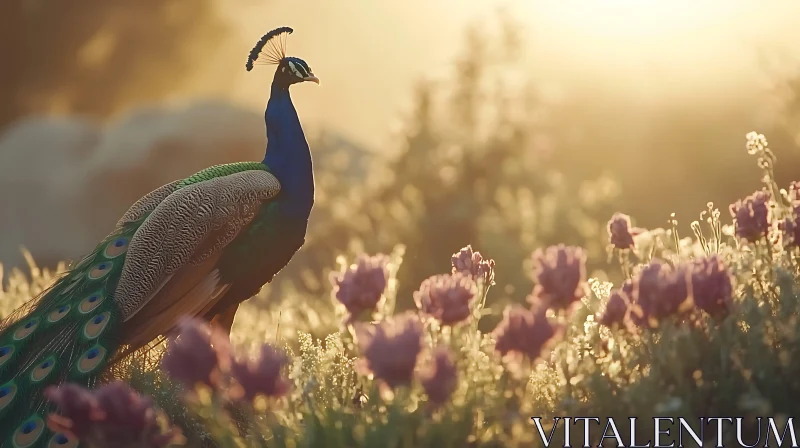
(292, 70)
(271, 50)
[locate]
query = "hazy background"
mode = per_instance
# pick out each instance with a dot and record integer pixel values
(509, 125)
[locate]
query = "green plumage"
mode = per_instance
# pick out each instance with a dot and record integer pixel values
(67, 334)
(70, 331)
(222, 170)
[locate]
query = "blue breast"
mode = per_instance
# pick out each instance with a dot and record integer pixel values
(288, 156)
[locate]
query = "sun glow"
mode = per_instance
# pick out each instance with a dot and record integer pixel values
(635, 22)
(646, 46)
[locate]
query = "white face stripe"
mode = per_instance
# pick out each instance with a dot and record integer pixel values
(294, 70)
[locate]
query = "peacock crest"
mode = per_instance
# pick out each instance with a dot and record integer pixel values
(275, 51)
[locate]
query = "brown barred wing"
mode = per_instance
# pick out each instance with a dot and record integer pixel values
(170, 269)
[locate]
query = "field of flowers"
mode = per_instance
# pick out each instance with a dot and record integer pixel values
(703, 326)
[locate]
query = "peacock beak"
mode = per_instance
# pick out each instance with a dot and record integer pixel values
(312, 78)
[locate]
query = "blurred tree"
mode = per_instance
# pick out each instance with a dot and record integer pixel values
(476, 168)
(97, 57)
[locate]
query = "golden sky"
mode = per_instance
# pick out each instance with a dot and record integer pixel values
(369, 53)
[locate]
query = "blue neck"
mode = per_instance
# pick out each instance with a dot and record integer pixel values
(288, 155)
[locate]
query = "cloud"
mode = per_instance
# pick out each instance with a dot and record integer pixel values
(65, 181)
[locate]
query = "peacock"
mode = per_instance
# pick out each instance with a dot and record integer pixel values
(197, 246)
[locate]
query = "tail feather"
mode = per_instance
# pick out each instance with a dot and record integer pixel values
(68, 333)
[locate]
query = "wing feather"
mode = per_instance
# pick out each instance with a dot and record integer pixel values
(148, 203)
(193, 289)
(185, 231)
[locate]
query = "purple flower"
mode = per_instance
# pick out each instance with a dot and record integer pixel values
(617, 306)
(712, 285)
(660, 291)
(390, 349)
(130, 416)
(441, 380)
(79, 410)
(197, 355)
(523, 332)
(752, 216)
(620, 234)
(471, 262)
(447, 298)
(111, 415)
(361, 286)
(261, 377)
(560, 274)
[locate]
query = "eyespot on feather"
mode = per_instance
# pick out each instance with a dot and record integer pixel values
(7, 393)
(28, 433)
(100, 270)
(91, 302)
(95, 326)
(116, 247)
(6, 352)
(58, 314)
(25, 330)
(43, 369)
(61, 440)
(91, 359)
